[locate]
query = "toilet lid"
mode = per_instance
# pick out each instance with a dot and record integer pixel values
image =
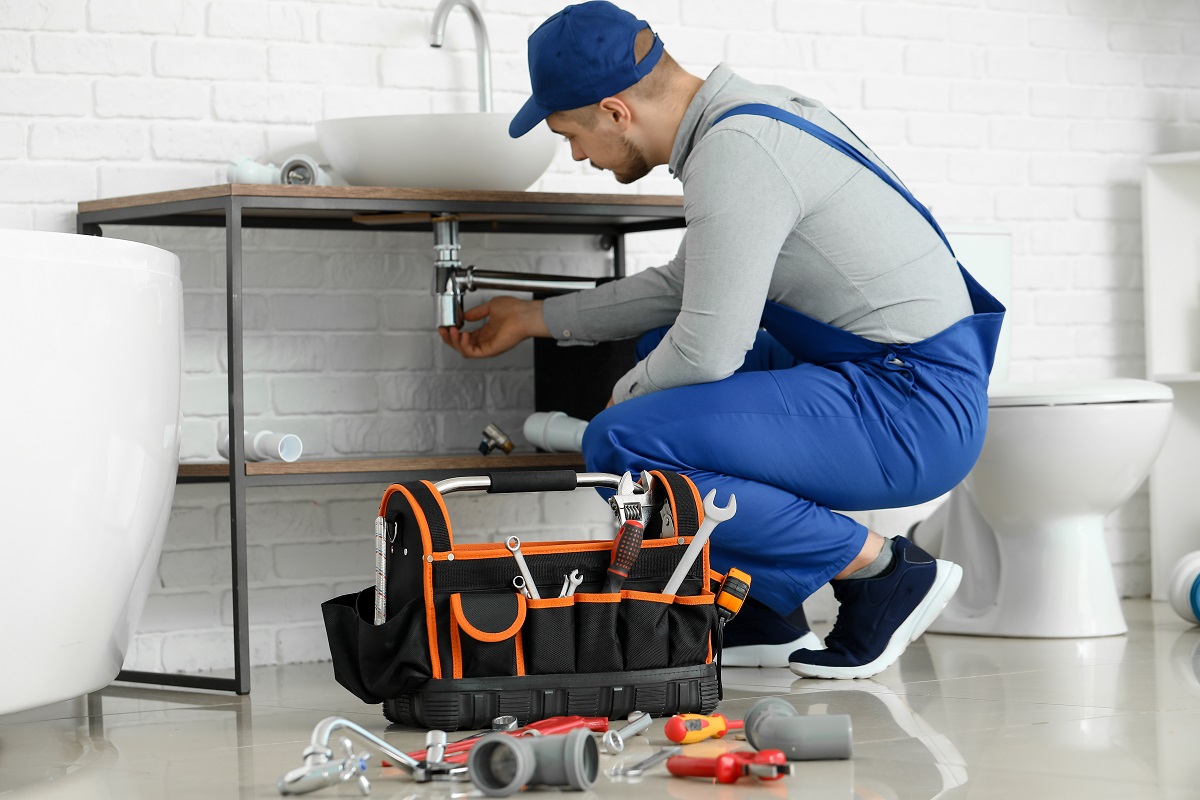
(1077, 392)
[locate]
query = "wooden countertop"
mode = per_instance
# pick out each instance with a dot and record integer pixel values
(353, 193)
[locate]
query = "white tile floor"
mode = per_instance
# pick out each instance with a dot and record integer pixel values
(956, 717)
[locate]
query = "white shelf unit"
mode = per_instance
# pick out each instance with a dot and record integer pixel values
(1171, 277)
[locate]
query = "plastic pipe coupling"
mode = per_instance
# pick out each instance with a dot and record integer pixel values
(501, 764)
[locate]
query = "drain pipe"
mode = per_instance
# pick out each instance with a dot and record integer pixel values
(452, 280)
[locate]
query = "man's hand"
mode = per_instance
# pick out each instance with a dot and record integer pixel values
(509, 321)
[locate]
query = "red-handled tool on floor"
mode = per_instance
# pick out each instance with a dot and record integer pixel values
(692, 728)
(766, 765)
(456, 752)
(625, 550)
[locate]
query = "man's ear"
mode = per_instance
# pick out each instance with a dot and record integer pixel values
(616, 111)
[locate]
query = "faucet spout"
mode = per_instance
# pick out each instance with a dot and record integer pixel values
(483, 54)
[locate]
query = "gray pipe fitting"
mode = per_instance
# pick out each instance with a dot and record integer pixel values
(501, 765)
(773, 724)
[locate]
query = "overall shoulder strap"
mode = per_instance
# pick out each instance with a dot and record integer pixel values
(764, 110)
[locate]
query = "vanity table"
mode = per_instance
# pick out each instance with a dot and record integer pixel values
(370, 209)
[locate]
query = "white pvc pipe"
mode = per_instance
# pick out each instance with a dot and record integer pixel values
(266, 446)
(555, 431)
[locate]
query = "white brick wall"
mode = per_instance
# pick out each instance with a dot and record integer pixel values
(1034, 115)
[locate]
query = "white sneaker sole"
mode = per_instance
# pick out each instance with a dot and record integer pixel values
(768, 655)
(945, 584)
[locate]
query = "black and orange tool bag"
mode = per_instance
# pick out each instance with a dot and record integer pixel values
(459, 644)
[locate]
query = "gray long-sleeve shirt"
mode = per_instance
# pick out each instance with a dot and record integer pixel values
(772, 214)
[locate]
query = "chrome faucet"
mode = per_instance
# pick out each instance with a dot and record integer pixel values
(483, 55)
(321, 770)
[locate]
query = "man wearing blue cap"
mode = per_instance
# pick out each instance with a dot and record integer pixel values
(815, 343)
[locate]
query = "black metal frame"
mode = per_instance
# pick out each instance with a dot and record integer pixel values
(234, 212)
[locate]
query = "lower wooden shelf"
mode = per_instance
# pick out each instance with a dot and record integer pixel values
(371, 470)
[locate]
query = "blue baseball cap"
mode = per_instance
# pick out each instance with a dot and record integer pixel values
(580, 56)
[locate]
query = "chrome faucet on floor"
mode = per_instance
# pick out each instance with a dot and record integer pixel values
(321, 770)
(483, 55)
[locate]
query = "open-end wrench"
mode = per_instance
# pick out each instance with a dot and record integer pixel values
(713, 516)
(513, 543)
(571, 583)
(646, 763)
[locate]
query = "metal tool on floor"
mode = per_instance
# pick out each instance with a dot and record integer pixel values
(646, 764)
(713, 516)
(773, 724)
(692, 728)
(503, 765)
(513, 543)
(766, 765)
(614, 741)
(456, 752)
(625, 550)
(321, 770)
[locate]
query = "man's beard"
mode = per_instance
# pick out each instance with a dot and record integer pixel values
(634, 166)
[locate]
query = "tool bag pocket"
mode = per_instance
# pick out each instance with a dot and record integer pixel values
(548, 637)
(458, 644)
(483, 634)
(643, 629)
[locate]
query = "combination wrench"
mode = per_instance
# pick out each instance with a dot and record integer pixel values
(713, 516)
(513, 543)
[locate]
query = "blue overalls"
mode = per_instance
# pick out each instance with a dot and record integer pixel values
(815, 419)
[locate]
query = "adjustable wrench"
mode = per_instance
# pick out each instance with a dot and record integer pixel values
(713, 516)
(513, 543)
(627, 502)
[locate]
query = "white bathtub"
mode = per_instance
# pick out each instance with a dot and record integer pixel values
(90, 354)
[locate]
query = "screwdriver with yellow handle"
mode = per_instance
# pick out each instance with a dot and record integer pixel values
(692, 728)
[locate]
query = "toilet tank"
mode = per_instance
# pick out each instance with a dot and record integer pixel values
(986, 252)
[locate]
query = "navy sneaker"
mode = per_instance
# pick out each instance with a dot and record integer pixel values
(761, 637)
(879, 616)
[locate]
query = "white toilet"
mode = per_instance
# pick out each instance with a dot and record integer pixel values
(1027, 523)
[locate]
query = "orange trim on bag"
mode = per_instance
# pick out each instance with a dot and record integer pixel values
(460, 617)
(520, 648)
(652, 597)
(455, 649)
(427, 581)
(597, 597)
(550, 602)
(696, 599)
(391, 490)
(713, 575)
(445, 512)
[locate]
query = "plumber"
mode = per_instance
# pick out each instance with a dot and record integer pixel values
(813, 345)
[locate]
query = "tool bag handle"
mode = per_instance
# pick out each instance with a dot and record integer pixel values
(553, 480)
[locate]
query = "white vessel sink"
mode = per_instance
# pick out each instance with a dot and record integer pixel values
(436, 151)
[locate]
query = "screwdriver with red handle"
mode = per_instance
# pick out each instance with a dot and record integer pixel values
(766, 765)
(625, 550)
(691, 728)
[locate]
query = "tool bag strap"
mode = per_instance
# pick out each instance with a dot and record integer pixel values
(686, 508)
(426, 504)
